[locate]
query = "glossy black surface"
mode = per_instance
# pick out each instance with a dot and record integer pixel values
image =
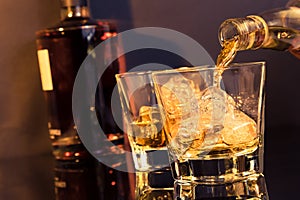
(32, 177)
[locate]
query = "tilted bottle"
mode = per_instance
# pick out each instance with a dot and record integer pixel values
(277, 29)
(61, 50)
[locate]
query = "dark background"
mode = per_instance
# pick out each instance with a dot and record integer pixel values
(25, 172)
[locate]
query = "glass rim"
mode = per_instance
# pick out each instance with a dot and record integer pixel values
(188, 68)
(231, 66)
(133, 73)
(236, 64)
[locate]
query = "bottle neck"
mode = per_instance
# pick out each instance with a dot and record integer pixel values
(74, 9)
(294, 3)
(250, 32)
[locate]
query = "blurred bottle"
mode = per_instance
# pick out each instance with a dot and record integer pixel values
(277, 29)
(75, 170)
(61, 50)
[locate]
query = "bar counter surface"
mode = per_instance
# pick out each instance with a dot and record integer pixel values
(32, 177)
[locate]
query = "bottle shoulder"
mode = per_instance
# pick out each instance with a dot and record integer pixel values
(69, 25)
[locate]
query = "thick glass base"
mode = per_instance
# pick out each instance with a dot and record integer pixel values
(154, 185)
(156, 194)
(223, 169)
(251, 187)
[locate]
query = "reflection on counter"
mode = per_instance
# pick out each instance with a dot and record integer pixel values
(154, 185)
(74, 174)
(78, 175)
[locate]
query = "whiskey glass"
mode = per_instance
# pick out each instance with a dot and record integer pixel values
(214, 126)
(144, 127)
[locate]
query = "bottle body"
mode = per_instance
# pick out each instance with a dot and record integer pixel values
(61, 50)
(74, 171)
(284, 27)
(277, 29)
(65, 50)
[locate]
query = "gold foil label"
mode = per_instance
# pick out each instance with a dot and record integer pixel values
(45, 70)
(55, 132)
(60, 184)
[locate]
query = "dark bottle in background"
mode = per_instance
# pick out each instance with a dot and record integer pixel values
(74, 171)
(61, 50)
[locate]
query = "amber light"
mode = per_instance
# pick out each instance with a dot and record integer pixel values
(107, 35)
(113, 183)
(68, 154)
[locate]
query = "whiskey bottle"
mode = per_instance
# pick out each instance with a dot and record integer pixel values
(74, 171)
(276, 29)
(61, 50)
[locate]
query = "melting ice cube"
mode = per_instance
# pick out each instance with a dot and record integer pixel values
(239, 128)
(180, 96)
(149, 113)
(221, 121)
(219, 114)
(213, 107)
(184, 133)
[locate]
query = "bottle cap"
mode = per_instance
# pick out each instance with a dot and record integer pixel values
(70, 3)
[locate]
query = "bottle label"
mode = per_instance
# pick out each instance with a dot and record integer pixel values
(45, 70)
(60, 184)
(54, 132)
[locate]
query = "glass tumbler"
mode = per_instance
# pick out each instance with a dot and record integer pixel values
(214, 124)
(144, 127)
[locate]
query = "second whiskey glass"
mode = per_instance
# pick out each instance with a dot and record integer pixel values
(144, 127)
